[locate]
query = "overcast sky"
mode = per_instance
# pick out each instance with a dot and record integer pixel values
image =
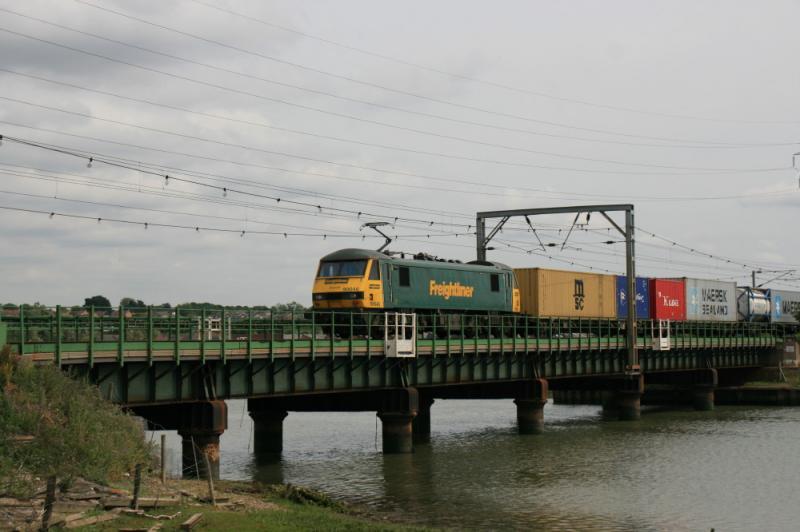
(424, 111)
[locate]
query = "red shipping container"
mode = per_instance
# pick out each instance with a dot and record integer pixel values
(667, 299)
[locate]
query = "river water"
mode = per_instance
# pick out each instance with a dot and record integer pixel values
(736, 468)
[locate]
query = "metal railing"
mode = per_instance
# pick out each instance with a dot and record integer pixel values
(221, 332)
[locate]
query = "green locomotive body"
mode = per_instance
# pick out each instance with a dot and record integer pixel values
(357, 278)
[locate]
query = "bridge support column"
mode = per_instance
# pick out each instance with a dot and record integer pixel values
(703, 399)
(398, 410)
(530, 407)
(197, 445)
(201, 426)
(703, 392)
(624, 403)
(421, 425)
(267, 432)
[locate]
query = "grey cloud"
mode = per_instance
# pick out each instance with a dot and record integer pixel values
(687, 60)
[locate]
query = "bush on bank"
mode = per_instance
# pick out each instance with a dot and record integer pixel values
(54, 425)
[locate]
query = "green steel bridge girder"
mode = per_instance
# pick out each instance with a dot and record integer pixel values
(192, 380)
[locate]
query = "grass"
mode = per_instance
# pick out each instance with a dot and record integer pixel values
(259, 508)
(287, 516)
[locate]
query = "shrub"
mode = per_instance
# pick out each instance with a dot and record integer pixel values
(53, 425)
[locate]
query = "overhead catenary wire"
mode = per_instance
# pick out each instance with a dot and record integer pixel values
(425, 221)
(143, 189)
(489, 83)
(203, 228)
(246, 221)
(683, 267)
(519, 164)
(332, 113)
(228, 178)
(697, 251)
(195, 182)
(196, 228)
(261, 55)
(412, 238)
(138, 188)
(460, 181)
(265, 125)
(683, 143)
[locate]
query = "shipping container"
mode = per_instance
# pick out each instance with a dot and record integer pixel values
(785, 306)
(708, 300)
(667, 299)
(642, 297)
(561, 293)
(752, 305)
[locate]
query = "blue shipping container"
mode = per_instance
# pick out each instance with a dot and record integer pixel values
(642, 297)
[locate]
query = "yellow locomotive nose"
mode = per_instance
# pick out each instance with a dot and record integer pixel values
(348, 281)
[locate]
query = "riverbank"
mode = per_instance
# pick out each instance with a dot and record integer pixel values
(245, 506)
(238, 505)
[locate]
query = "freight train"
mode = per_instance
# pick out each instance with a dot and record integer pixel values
(372, 280)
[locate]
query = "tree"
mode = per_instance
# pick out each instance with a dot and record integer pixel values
(131, 302)
(97, 301)
(287, 307)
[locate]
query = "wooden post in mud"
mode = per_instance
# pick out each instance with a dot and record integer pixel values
(49, 500)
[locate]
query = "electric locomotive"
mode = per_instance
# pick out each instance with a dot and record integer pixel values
(372, 280)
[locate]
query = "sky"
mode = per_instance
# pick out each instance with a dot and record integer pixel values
(415, 113)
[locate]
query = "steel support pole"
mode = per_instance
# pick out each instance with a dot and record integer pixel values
(480, 232)
(630, 258)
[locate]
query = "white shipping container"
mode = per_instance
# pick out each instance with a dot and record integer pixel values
(710, 300)
(785, 305)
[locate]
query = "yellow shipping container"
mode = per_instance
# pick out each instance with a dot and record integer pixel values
(567, 294)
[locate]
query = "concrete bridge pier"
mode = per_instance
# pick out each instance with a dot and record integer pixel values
(398, 409)
(200, 427)
(200, 424)
(703, 399)
(196, 445)
(703, 390)
(530, 407)
(623, 402)
(683, 388)
(267, 433)
(421, 424)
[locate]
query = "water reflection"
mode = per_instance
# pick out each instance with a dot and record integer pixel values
(731, 469)
(267, 470)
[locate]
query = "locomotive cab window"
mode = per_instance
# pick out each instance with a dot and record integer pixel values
(495, 282)
(405, 277)
(343, 268)
(374, 271)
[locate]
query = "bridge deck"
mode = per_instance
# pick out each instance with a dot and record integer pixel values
(171, 351)
(154, 355)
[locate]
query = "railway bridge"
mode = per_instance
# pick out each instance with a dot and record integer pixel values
(176, 367)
